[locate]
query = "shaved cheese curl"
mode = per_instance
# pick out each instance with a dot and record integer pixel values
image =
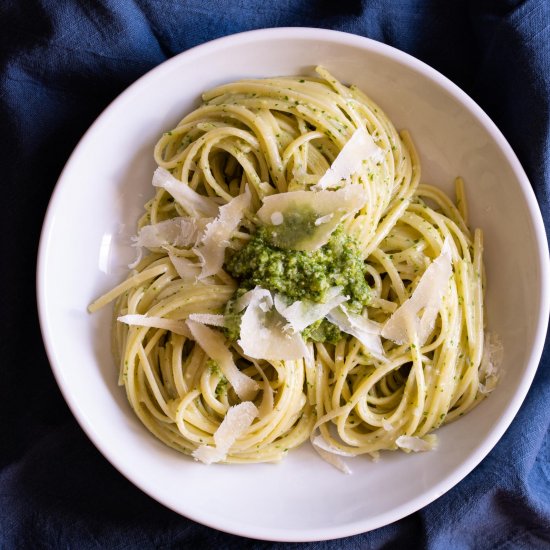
(185, 268)
(262, 332)
(349, 161)
(215, 240)
(416, 444)
(328, 454)
(213, 344)
(489, 371)
(320, 442)
(328, 207)
(366, 331)
(235, 423)
(178, 231)
(302, 314)
(208, 319)
(192, 202)
(427, 297)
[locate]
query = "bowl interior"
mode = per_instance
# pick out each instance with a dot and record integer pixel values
(85, 250)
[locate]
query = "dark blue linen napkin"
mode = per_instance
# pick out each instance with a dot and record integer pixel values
(61, 63)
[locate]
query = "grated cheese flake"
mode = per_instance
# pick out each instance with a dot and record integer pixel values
(365, 330)
(301, 314)
(235, 423)
(213, 344)
(324, 209)
(417, 444)
(179, 231)
(426, 299)
(319, 441)
(243, 302)
(489, 370)
(262, 331)
(185, 268)
(193, 203)
(211, 249)
(330, 456)
(208, 319)
(359, 147)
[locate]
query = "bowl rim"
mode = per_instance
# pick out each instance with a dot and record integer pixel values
(369, 46)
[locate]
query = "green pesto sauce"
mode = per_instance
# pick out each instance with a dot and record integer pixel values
(232, 319)
(322, 331)
(302, 275)
(221, 388)
(299, 275)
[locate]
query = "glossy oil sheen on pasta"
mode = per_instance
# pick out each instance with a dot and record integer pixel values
(255, 139)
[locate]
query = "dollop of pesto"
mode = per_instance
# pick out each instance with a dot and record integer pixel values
(322, 331)
(302, 275)
(221, 387)
(232, 319)
(299, 275)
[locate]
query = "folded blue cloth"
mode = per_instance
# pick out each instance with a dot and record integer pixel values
(61, 63)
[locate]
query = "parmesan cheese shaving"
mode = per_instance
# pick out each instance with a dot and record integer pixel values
(427, 298)
(215, 240)
(489, 370)
(186, 269)
(303, 313)
(213, 344)
(331, 207)
(235, 424)
(208, 319)
(262, 331)
(173, 325)
(193, 203)
(176, 232)
(417, 444)
(366, 331)
(320, 442)
(349, 161)
(242, 302)
(332, 459)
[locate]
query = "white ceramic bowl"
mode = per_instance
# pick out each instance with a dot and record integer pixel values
(108, 179)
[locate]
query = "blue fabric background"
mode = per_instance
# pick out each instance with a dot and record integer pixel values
(61, 63)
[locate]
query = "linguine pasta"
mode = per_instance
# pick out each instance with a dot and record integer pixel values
(379, 384)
